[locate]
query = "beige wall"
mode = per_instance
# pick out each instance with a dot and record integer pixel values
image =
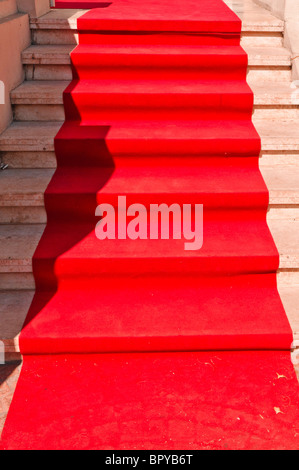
(284, 9)
(34, 7)
(14, 38)
(7, 7)
(277, 7)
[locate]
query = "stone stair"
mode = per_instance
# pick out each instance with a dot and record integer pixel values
(27, 147)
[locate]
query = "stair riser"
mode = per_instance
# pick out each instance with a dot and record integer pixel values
(46, 112)
(161, 106)
(16, 281)
(64, 36)
(50, 112)
(25, 159)
(279, 112)
(64, 72)
(25, 281)
(23, 215)
(282, 206)
(75, 271)
(159, 38)
(40, 159)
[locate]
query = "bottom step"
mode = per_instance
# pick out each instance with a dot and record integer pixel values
(158, 313)
(197, 400)
(14, 306)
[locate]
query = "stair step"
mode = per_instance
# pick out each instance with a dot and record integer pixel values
(259, 20)
(31, 144)
(43, 61)
(36, 137)
(43, 100)
(29, 160)
(22, 196)
(22, 191)
(59, 54)
(29, 137)
(171, 312)
(19, 242)
(251, 35)
(51, 92)
(107, 256)
(181, 19)
(168, 99)
(259, 27)
(278, 135)
(47, 159)
(14, 306)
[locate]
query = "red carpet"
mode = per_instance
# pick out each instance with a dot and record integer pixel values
(141, 344)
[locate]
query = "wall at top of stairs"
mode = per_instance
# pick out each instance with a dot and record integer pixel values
(35, 8)
(15, 36)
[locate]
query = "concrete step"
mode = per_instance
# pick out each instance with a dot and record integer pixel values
(259, 27)
(44, 61)
(17, 246)
(276, 136)
(281, 136)
(18, 243)
(43, 100)
(14, 306)
(42, 35)
(22, 194)
(31, 144)
(46, 159)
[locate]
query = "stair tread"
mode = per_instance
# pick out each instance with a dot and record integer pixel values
(153, 308)
(51, 92)
(37, 136)
(14, 306)
(121, 129)
(60, 54)
(26, 187)
(19, 242)
(29, 136)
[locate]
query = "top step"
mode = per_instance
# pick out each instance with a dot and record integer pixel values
(259, 27)
(211, 16)
(253, 17)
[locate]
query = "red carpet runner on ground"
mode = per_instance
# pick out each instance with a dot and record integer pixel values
(140, 344)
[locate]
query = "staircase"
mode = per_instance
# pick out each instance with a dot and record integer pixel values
(27, 147)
